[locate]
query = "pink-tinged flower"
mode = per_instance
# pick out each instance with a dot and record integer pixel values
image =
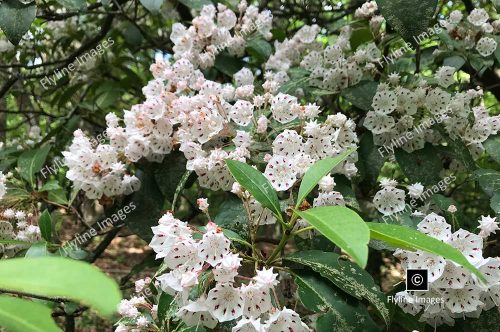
(266, 278)
(248, 325)
(228, 268)
(281, 173)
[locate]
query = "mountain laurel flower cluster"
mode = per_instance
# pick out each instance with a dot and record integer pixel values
(17, 225)
(462, 293)
(206, 285)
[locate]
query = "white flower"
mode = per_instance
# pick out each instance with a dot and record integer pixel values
(385, 102)
(444, 76)
(257, 300)
(389, 200)
(281, 172)
(415, 190)
(197, 313)
(203, 204)
(142, 321)
(435, 226)
(248, 325)
(487, 225)
(285, 320)
(478, 17)
(462, 300)
(228, 268)
(121, 328)
(266, 278)
(243, 77)
(242, 112)
(213, 247)
(486, 46)
(331, 198)
(127, 309)
(490, 268)
(455, 17)
(327, 183)
(225, 302)
(288, 144)
(453, 277)
(284, 108)
(471, 245)
(378, 123)
(141, 283)
(452, 209)
(262, 124)
(433, 264)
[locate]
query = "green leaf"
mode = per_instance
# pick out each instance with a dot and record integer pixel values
(488, 321)
(410, 18)
(168, 174)
(370, 160)
(456, 149)
(260, 49)
(232, 216)
(227, 64)
(195, 4)
(45, 224)
(16, 18)
(58, 196)
(492, 146)
(422, 165)
(257, 184)
(32, 161)
(24, 243)
(19, 315)
(489, 180)
(50, 185)
(62, 278)
(152, 5)
(149, 203)
(344, 274)
(454, 61)
(317, 295)
(343, 227)
(361, 95)
(73, 4)
(318, 171)
(163, 305)
(495, 203)
(411, 239)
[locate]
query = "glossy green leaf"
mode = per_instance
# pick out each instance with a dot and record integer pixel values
(411, 239)
(423, 165)
(45, 224)
(20, 315)
(489, 180)
(50, 185)
(32, 161)
(492, 146)
(61, 278)
(260, 49)
(256, 183)
(410, 18)
(342, 226)
(361, 95)
(16, 18)
(495, 203)
(148, 203)
(344, 274)
(318, 295)
(316, 172)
